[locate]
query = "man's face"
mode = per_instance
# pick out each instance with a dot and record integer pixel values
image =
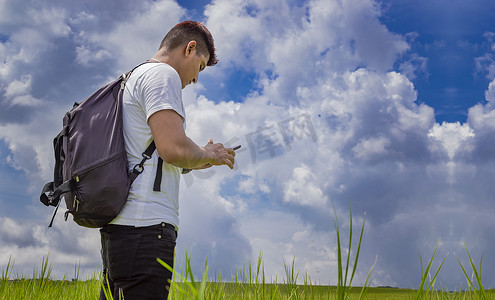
(193, 64)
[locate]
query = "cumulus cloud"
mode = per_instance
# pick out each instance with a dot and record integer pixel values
(18, 93)
(481, 118)
(141, 34)
(486, 62)
(60, 37)
(302, 188)
(26, 242)
(413, 66)
(452, 136)
(370, 146)
(38, 28)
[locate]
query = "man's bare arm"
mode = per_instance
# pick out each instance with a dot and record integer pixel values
(175, 148)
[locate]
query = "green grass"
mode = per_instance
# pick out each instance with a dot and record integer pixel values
(41, 286)
(251, 282)
(31, 289)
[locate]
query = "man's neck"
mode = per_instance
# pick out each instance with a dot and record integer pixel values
(172, 58)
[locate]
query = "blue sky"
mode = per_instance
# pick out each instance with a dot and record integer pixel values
(384, 104)
(458, 28)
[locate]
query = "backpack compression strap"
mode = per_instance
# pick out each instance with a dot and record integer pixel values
(158, 176)
(57, 187)
(53, 197)
(139, 168)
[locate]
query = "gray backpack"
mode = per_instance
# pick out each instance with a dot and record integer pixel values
(91, 168)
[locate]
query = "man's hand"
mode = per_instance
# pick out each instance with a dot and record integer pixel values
(219, 155)
(205, 166)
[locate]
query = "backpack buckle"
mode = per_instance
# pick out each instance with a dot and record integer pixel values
(139, 168)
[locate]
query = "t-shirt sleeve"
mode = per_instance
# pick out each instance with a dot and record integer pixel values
(161, 89)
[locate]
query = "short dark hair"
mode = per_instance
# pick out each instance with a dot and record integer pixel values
(187, 31)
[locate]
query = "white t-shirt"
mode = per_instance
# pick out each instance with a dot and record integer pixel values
(152, 87)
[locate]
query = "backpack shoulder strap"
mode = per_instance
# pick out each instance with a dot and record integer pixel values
(138, 169)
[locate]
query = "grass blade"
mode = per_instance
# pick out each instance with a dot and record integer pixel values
(480, 291)
(358, 249)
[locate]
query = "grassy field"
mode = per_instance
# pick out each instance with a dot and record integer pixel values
(54, 290)
(250, 282)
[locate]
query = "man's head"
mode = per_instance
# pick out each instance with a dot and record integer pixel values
(188, 48)
(187, 31)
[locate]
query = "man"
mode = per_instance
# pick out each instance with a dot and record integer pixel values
(146, 228)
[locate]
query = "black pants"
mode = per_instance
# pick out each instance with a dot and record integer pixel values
(129, 260)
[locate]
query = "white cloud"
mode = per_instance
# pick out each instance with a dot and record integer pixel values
(302, 189)
(372, 146)
(26, 242)
(490, 93)
(17, 87)
(452, 136)
(303, 42)
(367, 114)
(86, 56)
(52, 20)
(486, 63)
(17, 93)
(414, 65)
(237, 34)
(281, 238)
(131, 41)
(36, 28)
(481, 117)
(83, 17)
(31, 146)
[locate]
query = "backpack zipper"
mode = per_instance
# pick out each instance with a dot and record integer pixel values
(75, 204)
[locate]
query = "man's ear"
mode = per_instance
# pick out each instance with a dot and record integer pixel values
(190, 48)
